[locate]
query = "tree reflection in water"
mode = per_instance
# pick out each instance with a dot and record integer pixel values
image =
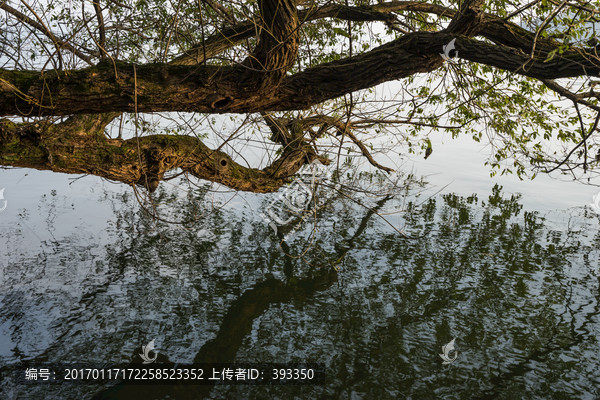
(517, 290)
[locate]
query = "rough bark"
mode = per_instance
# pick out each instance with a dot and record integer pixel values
(277, 45)
(211, 89)
(79, 146)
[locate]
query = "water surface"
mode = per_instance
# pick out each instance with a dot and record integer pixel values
(518, 289)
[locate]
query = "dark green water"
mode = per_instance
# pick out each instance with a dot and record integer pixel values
(519, 291)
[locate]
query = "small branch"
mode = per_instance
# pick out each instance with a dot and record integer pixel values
(47, 32)
(520, 10)
(342, 129)
(101, 28)
(543, 26)
(219, 9)
(42, 28)
(366, 153)
(367, 123)
(586, 136)
(575, 97)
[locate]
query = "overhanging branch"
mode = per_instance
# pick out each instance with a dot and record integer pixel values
(212, 89)
(79, 146)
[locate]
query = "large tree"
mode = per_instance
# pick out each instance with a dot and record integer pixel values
(303, 71)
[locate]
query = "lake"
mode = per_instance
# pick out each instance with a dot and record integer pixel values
(368, 287)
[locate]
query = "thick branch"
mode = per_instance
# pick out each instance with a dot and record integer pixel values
(278, 42)
(79, 146)
(572, 63)
(415, 53)
(212, 89)
(468, 20)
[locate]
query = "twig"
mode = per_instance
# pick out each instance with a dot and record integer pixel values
(47, 32)
(578, 145)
